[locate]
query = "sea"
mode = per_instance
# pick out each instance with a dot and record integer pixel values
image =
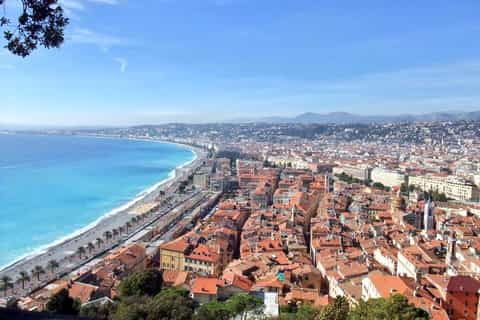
(53, 186)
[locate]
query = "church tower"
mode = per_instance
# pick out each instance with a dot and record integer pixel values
(451, 249)
(428, 216)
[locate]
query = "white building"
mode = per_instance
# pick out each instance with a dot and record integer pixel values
(360, 172)
(387, 177)
(453, 187)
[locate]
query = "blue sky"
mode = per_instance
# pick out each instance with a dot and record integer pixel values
(151, 61)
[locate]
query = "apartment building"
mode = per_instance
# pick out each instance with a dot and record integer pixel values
(387, 177)
(452, 186)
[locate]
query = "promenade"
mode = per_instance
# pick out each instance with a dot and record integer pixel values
(110, 232)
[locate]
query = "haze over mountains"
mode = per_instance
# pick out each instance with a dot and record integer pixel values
(303, 118)
(345, 118)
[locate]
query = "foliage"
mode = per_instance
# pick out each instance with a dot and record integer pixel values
(132, 308)
(304, 311)
(171, 304)
(396, 308)
(5, 284)
(148, 282)
(41, 23)
(23, 277)
(380, 186)
(338, 310)
(62, 303)
(347, 178)
(435, 196)
(97, 312)
(242, 303)
(213, 310)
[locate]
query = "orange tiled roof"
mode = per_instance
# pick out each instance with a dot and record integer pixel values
(81, 291)
(205, 286)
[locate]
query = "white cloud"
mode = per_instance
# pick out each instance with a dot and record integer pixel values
(103, 41)
(123, 63)
(72, 7)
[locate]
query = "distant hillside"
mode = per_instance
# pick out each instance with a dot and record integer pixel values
(345, 117)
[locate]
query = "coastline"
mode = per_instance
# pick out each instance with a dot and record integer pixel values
(107, 219)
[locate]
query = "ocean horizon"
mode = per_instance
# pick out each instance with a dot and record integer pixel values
(53, 186)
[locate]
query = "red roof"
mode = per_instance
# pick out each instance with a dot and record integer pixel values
(464, 284)
(205, 286)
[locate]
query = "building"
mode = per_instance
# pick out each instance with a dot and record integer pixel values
(428, 216)
(203, 260)
(462, 298)
(172, 254)
(205, 290)
(414, 262)
(359, 172)
(201, 180)
(378, 285)
(453, 187)
(387, 177)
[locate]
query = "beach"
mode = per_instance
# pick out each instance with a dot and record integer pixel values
(64, 251)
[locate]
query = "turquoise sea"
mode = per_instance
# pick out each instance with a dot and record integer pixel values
(52, 186)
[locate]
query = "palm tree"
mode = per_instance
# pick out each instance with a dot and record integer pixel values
(99, 242)
(90, 247)
(134, 220)
(53, 265)
(37, 271)
(23, 277)
(128, 225)
(121, 230)
(5, 284)
(115, 233)
(107, 235)
(81, 251)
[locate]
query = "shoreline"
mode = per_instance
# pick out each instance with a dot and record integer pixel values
(103, 220)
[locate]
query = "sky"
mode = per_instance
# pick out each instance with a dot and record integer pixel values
(127, 62)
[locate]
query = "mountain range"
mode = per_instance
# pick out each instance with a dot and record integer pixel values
(346, 118)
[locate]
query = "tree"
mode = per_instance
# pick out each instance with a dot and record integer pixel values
(41, 23)
(99, 242)
(213, 310)
(81, 251)
(23, 278)
(90, 247)
(171, 304)
(307, 312)
(396, 308)
(128, 225)
(52, 266)
(338, 310)
(241, 304)
(37, 271)
(62, 303)
(134, 220)
(132, 308)
(148, 282)
(303, 311)
(5, 284)
(97, 311)
(107, 235)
